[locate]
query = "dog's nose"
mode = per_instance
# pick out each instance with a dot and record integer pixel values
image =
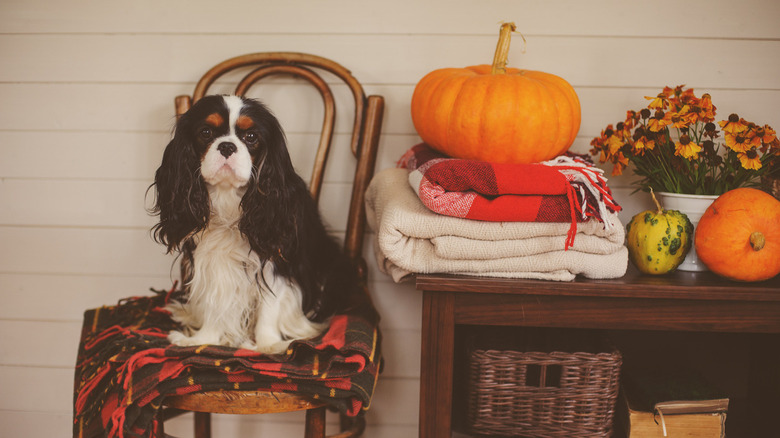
(227, 149)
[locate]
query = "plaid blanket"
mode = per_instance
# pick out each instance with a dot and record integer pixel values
(566, 189)
(126, 367)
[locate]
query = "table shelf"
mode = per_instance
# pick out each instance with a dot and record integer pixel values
(681, 301)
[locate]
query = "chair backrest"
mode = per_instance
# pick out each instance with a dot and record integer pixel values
(365, 129)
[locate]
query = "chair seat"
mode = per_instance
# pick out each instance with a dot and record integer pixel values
(242, 402)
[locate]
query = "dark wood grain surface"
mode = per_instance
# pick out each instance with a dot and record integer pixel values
(677, 302)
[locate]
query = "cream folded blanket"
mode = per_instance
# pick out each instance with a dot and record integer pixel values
(410, 238)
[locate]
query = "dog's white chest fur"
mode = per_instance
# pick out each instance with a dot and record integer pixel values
(235, 298)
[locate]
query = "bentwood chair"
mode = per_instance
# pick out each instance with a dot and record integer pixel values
(368, 112)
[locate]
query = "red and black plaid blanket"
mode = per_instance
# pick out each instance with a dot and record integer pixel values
(568, 188)
(126, 367)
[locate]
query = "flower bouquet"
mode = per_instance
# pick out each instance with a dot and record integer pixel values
(675, 146)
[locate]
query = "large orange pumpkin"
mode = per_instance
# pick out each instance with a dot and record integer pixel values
(494, 113)
(738, 237)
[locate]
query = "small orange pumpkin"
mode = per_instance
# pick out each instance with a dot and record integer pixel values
(494, 113)
(738, 237)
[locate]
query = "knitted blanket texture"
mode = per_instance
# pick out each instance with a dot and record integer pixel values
(410, 238)
(566, 189)
(126, 367)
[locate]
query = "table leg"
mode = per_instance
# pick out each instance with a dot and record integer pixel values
(764, 384)
(436, 368)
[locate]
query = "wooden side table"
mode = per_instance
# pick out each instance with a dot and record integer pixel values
(682, 301)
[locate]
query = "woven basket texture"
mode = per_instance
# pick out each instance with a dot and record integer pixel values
(542, 394)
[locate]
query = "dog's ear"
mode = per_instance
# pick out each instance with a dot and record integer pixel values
(271, 205)
(181, 197)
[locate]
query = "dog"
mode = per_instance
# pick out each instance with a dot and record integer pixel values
(262, 269)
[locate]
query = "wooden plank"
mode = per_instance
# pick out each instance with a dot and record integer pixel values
(146, 107)
(23, 386)
(56, 343)
(58, 298)
(82, 251)
(115, 204)
(375, 60)
(601, 17)
(618, 313)
(92, 155)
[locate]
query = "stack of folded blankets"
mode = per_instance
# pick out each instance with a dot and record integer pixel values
(552, 220)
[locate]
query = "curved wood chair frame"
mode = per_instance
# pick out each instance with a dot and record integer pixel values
(364, 144)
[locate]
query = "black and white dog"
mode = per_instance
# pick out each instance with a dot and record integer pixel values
(264, 271)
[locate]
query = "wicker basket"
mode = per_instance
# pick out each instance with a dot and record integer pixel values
(542, 394)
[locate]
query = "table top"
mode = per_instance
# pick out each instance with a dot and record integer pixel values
(675, 285)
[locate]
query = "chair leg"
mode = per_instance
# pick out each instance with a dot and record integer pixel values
(160, 432)
(315, 423)
(202, 425)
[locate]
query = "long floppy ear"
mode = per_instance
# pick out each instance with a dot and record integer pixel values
(272, 200)
(181, 201)
(281, 221)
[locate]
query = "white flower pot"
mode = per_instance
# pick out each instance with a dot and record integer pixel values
(694, 207)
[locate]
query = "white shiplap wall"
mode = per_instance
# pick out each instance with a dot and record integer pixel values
(86, 91)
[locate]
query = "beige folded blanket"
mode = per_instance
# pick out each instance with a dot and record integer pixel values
(409, 238)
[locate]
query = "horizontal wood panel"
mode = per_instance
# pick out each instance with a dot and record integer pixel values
(147, 107)
(82, 251)
(46, 297)
(31, 389)
(103, 253)
(57, 346)
(395, 400)
(52, 297)
(394, 59)
(567, 17)
(56, 343)
(90, 155)
(136, 155)
(116, 204)
(25, 424)
(123, 204)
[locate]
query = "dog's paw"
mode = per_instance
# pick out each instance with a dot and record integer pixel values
(182, 340)
(278, 347)
(180, 313)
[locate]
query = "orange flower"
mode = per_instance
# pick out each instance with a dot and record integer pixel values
(619, 163)
(768, 135)
(738, 142)
(659, 122)
(685, 95)
(646, 138)
(733, 125)
(686, 148)
(614, 144)
(750, 159)
(681, 119)
(660, 101)
(753, 139)
(642, 144)
(708, 109)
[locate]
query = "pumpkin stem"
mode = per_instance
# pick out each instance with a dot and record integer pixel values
(757, 241)
(657, 204)
(502, 48)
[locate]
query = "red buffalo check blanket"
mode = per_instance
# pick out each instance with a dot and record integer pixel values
(566, 189)
(126, 367)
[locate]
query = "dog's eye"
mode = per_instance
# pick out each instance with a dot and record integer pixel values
(251, 137)
(205, 133)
